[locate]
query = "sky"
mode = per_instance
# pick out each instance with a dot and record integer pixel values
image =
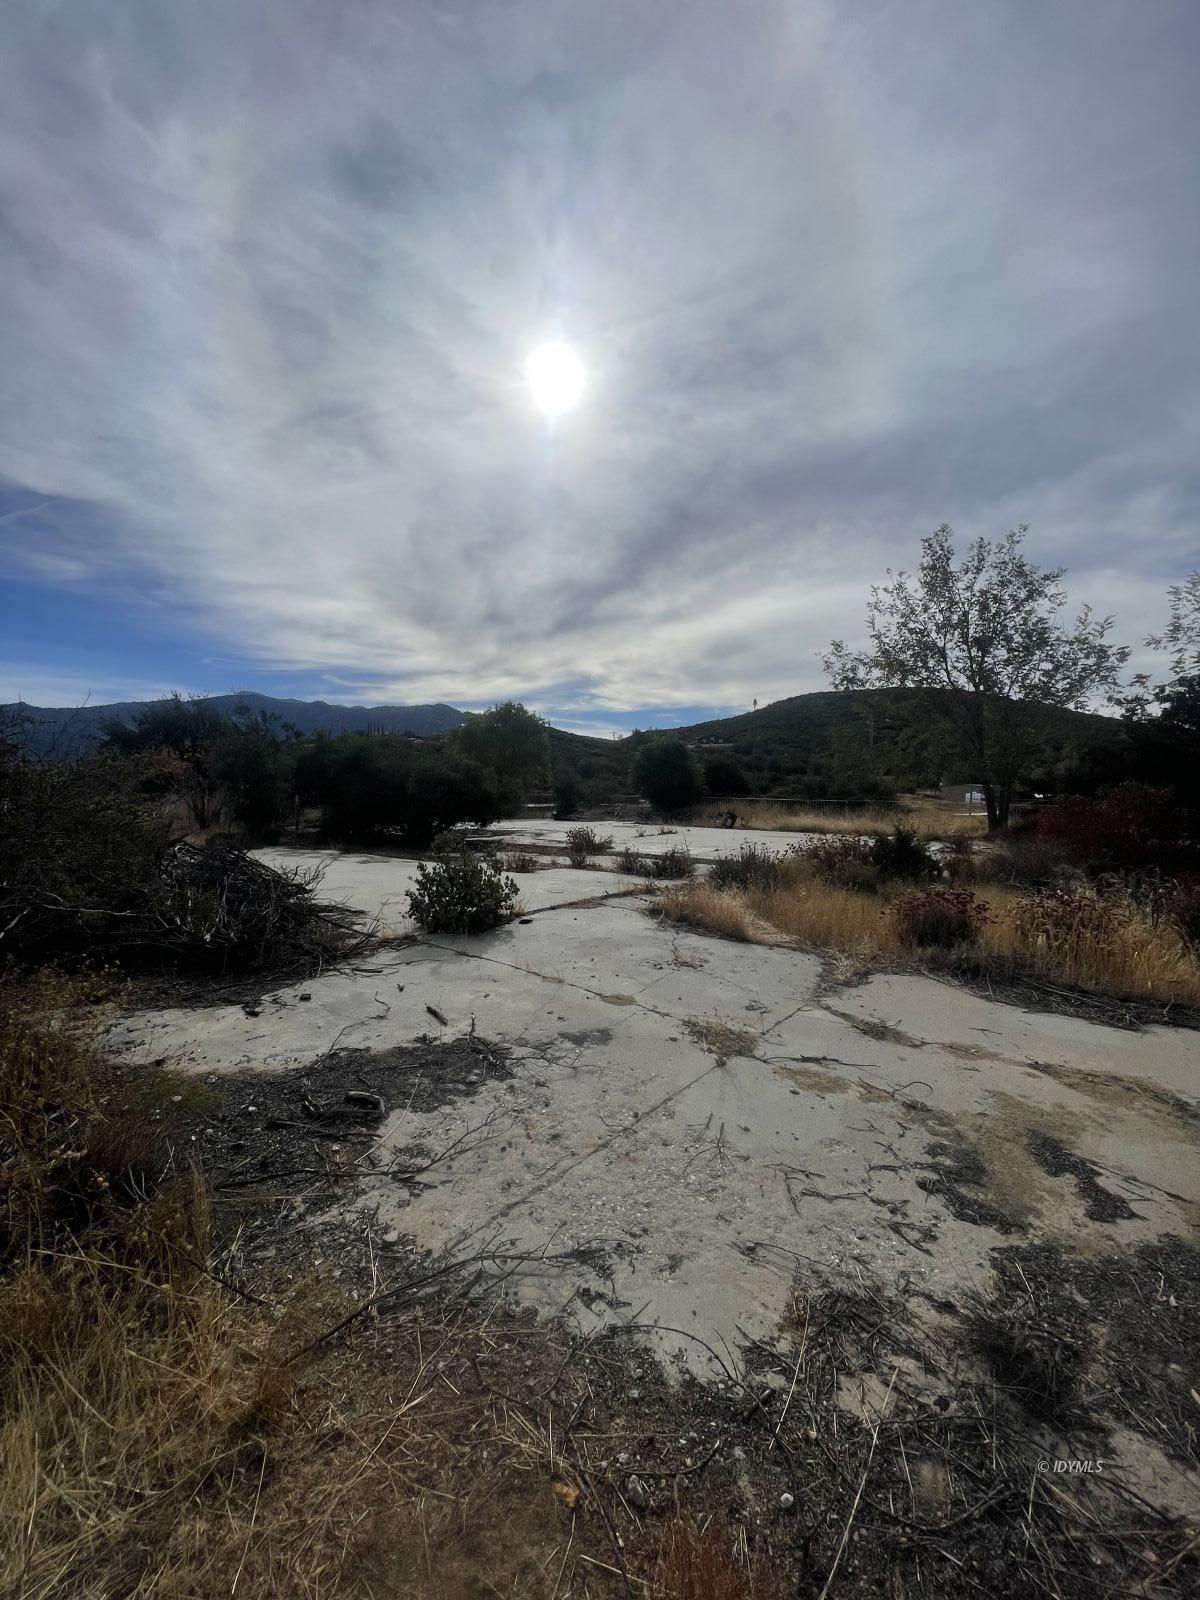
(270, 272)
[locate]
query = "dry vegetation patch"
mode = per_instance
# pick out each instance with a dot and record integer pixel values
(1104, 944)
(928, 819)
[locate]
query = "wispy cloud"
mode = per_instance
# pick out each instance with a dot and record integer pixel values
(838, 274)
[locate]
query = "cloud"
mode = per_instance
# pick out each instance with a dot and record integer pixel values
(838, 274)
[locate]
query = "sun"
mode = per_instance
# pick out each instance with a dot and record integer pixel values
(556, 378)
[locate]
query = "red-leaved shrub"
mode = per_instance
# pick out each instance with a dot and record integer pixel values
(1130, 827)
(939, 918)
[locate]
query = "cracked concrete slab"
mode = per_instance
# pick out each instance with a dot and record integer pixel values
(899, 1129)
(377, 885)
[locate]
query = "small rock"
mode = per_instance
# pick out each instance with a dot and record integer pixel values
(635, 1493)
(786, 1501)
(306, 995)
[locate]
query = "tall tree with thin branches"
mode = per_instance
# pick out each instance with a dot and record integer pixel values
(990, 640)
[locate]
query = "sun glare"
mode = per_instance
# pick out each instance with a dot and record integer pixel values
(556, 378)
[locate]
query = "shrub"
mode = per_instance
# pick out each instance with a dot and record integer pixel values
(666, 775)
(1129, 827)
(674, 863)
(1024, 856)
(585, 842)
(637, 866)
(901, 855)
(938, 918)
(754, 867)
(566, 795)
(723, 776)
(371, 784)
(92, 872)
(1066, 925)
(462, 894)
(963, 864)
(1183, 912)
(522, 861)
(841, 859)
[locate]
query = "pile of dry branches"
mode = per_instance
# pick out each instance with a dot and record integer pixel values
(92, 872)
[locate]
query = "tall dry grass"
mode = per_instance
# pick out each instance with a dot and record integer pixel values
(927, 819)
(1081, 940)
(129, 1383)
(160, 1440)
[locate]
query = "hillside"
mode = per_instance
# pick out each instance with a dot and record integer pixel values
(72, 730)
(835, 742)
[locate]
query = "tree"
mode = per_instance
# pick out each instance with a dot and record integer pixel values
(371, 784)
(989, 636)
(510, 740)
(253, 762)
(722, 775)
(666, 775)
(1182, 634)
(190, 730)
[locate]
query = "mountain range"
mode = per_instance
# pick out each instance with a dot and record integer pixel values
(69, 731)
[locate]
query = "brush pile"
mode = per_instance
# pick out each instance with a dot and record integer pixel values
(92, 873)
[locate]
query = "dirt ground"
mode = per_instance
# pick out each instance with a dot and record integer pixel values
(873, 1287)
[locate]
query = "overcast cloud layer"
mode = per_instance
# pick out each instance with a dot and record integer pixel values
(838, 272)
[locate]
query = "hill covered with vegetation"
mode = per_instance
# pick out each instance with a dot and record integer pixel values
(840, 744)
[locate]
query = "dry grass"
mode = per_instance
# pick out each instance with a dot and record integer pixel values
(167, 1434)
(722, 1037)
(722, 911)
(1105, 946)
(928, 819)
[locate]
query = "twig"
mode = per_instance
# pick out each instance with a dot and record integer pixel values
(861, 1486)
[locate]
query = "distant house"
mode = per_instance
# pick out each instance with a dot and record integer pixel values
(709, 741)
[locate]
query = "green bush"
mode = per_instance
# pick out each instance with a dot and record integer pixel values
(901, 855)
(566, 795)
(368, 785)
(461, 894)
(667, 776)
(723, 776)
(635, 865)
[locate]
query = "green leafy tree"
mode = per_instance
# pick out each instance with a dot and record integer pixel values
(253, 761)
(191, 731)
(666, 774)
(722, 775)
(566, 793)
(510, 740)
(989, 635)
(1181, 637)
(371, 784)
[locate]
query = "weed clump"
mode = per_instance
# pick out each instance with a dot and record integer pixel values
(754, 867)
(842, 860)
(583, 842)
(675, 863)
(939, 919)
